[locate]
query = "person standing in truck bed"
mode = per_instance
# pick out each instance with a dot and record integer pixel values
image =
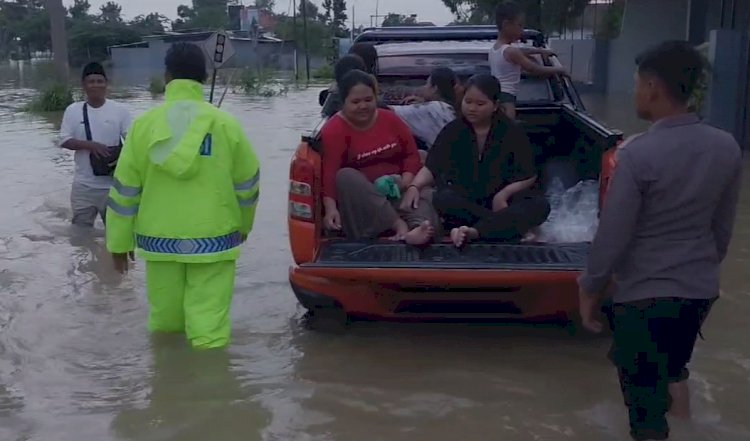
(664, 231)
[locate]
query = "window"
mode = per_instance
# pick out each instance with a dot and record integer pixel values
(400, 71)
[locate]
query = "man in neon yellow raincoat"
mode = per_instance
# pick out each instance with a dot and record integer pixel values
(184, 195)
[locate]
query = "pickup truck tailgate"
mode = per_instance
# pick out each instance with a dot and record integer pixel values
(480, 256)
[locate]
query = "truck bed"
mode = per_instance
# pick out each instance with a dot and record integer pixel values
(479, 256)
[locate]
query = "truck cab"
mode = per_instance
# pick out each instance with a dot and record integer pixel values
(378, 279)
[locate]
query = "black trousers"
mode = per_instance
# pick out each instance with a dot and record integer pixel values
(525, 211)
(652, 345)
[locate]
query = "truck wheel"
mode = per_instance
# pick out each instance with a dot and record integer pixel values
(328, 320)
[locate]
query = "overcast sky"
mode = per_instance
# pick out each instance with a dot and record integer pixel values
(427, 10)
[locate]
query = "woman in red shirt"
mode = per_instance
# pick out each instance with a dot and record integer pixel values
(362, 143)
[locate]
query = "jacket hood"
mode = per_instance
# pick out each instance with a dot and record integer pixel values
(183, 133)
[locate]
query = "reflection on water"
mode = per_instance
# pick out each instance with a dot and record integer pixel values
(76, 362)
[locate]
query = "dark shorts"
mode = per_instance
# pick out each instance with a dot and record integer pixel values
(507, 98)
(652, 344)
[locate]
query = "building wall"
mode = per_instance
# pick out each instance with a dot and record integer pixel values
(276, 55)
(645, 23)
(578, 56)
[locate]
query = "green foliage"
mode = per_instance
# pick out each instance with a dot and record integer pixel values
(540, 14)
(698, 97)
(156, 85)
(325, 72)
(610, 26)
(25, 28)
(260, 83)
(398, 20)
(318, 34)
(89, 40)
(111, 12)
(211, 14)
(54, 97)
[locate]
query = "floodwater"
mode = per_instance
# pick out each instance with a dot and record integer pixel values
(76, 361)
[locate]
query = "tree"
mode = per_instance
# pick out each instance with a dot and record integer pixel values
(311, 10)
(339, 17)
(265, 5)
(209, 14)
(111, 12)
(393, 19)
(150, 24)
(483, 11)
(80, 9)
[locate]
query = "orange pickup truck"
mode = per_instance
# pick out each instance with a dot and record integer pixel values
(393, 281)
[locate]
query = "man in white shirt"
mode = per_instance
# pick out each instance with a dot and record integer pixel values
(108, 122)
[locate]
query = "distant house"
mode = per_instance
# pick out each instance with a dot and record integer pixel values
(149, 54)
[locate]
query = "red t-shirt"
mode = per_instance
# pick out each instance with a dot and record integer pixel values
(387, 148)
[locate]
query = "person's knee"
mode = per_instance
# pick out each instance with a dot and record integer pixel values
(349, 180)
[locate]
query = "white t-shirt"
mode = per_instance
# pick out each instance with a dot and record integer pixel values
(508, 73)
(426, 120)
(108, 123)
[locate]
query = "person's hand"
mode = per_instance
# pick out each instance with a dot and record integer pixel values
(561, 70)
(410, 199)
(121, 262)
(545, 53)
(412, 99)
(499, 202)
(588, 305)
(332, 220)
(99, 150)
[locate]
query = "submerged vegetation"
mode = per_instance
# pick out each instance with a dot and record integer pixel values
(156, 85)
(324, 72)
(259, 82)
(54, 97)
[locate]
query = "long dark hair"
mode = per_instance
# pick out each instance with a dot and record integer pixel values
(444, 79)
(367, 52)
(355, 78)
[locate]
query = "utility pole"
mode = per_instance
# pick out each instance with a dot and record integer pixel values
(294, 33)
(59, 38)
(304, 30)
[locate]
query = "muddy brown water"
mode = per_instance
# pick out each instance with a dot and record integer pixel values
(76, 361)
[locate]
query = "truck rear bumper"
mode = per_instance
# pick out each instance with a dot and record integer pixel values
(408, 294)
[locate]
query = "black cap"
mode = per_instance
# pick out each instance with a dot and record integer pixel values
(93, 69)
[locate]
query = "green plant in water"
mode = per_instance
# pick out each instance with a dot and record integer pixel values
(156, 85)
(259, 82)
(55, 97)
(325, 72)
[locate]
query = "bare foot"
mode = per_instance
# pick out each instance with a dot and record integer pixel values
(420, 235)
(530, 237)
(463, 235)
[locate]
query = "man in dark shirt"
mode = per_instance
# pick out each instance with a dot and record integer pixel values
(663, 233)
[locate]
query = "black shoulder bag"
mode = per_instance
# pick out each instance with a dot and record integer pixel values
(102, 166)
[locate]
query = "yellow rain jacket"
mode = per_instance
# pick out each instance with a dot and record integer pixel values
(186, 185)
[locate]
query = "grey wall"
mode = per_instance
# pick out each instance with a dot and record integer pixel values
(645, 23)
(577, 56)
(274, 55)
